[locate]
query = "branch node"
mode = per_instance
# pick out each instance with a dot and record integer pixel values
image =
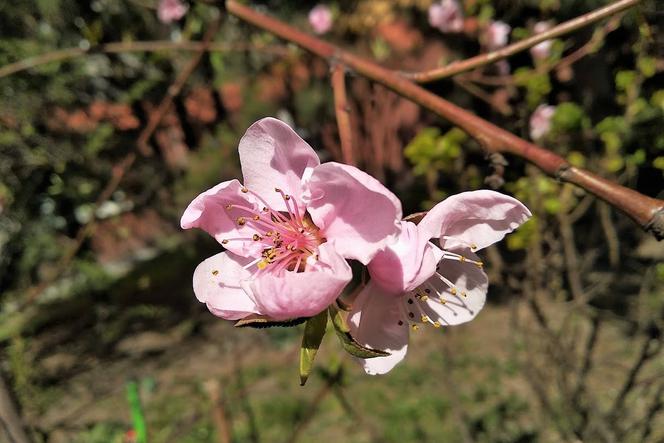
(656, 225)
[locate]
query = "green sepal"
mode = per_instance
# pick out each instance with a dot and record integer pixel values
(314, 330)
(347, 341)
(262, 321)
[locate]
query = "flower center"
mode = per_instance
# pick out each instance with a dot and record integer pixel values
(289, 238)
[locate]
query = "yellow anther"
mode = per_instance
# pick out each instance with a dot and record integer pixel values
(256, 217)
(215, 272)
(425, 318)
(424, 297)
(473, 246)
(436, 324)
(442, 300)
(241, 221)
(462, 258)
(269, 234)
(262, 264)
(463, 294)
(480, 264)
(256, 237)
(244, 190)
(414, 327)
(223, 242)
(453, 291)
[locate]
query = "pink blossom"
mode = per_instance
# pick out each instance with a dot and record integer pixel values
(415, 282)
(542, 49)
(320, 19)
(540, 121)
(447, 16)
(171, 10)
(497, 35)
(288, 229)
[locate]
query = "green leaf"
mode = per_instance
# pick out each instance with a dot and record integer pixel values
(314, 330)
(261, 322)
(347, 341)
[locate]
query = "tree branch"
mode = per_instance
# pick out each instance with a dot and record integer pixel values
(342, 112)
(120, 169)
(646, 211)
(500, 54)
(61, 55)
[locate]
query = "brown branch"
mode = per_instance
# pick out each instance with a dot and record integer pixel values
(342, 112)
(651, 347)
(646, 211)
(61, 55)
(120, 169)
(500, 54)
(219, 417)
(173, 91)
(117, 174)
(10, 420)
(503, 108)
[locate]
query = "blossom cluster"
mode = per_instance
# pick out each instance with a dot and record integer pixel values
(290, 229)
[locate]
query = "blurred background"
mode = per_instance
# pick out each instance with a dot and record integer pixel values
(103, 146)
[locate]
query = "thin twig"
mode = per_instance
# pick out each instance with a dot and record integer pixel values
(331, 379)
(500, 54)
(569, 248)
(10, 420)
(655, 408)
(118, 172)
(649, 349)
(342, 113)
(503, 108)
(173, 91)
(61, 55)
(646, 211)
(219, 418)
(120, 169)
(610, 233)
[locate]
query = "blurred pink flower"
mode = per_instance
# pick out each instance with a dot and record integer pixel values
(497, 35)
(540, 121)
(415, 282)
(320, 19)
(171, 10)
(543, 49)
(447, 16)
(288, 229)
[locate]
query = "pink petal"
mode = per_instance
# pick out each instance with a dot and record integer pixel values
(292, 294)
(374, 322)
(273, 156)
(476, 218)
(404, 264)
(320, 19)
(208, 212)
(171, 10)
(468, 279)
(217, 284)
(353, 209)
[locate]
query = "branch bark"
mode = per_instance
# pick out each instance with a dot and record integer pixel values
(646, 211)
(62, 55)
(503, 53)
(342, 113)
